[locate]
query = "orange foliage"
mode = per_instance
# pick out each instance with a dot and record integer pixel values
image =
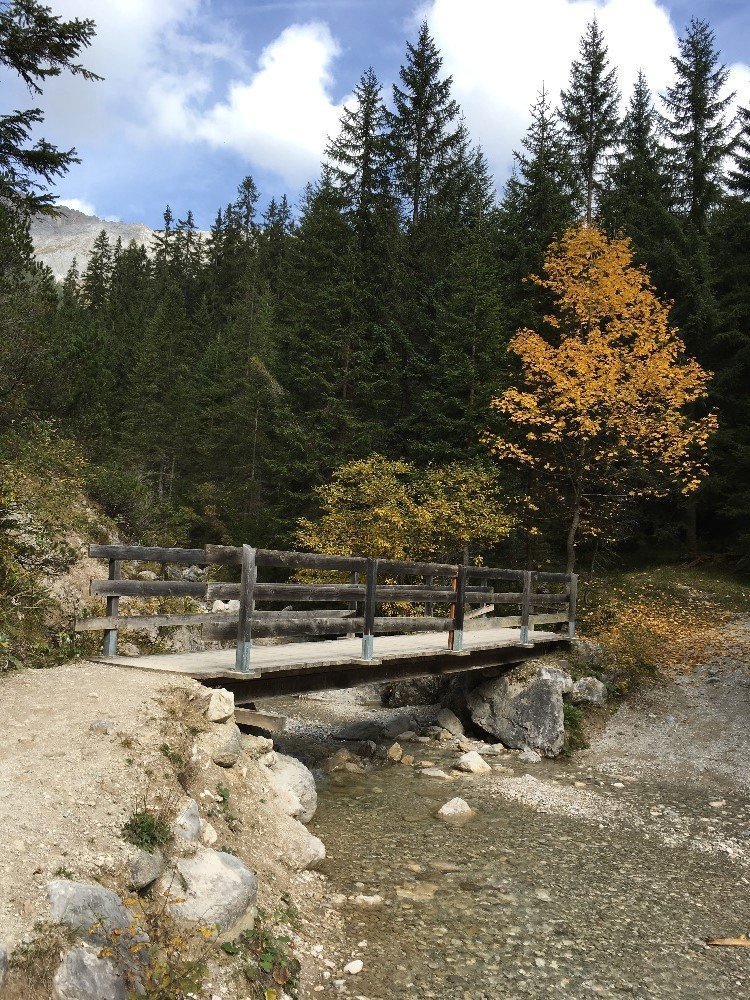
(605, 406)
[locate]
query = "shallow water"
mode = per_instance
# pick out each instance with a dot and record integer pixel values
(518, 903)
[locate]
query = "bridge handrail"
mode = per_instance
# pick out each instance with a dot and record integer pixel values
(363, 591)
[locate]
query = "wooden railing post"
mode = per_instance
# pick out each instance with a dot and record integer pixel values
(109, 646)
(369, 625)
(572, 600)
(244, 627)
(528, 578)
(456, 634)
(354, 580)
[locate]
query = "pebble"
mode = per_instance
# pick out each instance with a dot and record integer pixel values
(354, 967)
(718, 803)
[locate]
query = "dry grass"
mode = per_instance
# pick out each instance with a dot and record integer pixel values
(32, 966)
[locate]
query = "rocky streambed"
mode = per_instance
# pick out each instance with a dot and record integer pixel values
(598, 874)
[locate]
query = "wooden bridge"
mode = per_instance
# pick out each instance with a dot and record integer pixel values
(341, 646)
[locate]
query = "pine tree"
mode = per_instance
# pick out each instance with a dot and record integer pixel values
(739, 175)
(428, 138)
(638, 197)
(36, 45)
(359, 155)
(589, 112)
(538, 206)
(696, 122)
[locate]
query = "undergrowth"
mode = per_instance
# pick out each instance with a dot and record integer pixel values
(148, 827)
(266, 954)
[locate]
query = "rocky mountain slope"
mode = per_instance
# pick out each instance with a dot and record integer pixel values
(60, 240)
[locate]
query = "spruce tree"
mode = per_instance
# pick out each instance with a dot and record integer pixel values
(589, 112)
(428, 138)
(739, 174)
(696, 122)
(638, 196)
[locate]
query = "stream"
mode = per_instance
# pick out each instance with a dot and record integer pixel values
(599, 875)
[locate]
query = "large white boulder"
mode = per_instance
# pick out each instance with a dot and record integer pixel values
(290, 775)
(215, 889)
(88, 909)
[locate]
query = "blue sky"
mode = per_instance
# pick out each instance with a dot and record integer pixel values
(199, 93)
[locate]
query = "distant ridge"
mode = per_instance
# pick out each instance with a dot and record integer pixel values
(58, 241)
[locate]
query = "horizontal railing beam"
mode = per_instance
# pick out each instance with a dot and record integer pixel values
(148, 553)
(148, 588)
(228, 555)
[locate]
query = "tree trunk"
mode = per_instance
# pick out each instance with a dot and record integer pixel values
(691, 527)
(571, 541)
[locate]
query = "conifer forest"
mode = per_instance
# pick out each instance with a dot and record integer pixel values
(558, 361)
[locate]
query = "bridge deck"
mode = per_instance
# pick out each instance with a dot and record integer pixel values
(395, 655)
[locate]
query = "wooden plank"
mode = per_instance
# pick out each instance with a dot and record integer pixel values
(456, 634)
(269, 722)
(396, 566)
(244, 625)
(148, 588)
(149, 553)
(494, 573)
(227, 555)
(548, 619)
(265, 629)
(417, 624)
(134, 622)
(553, 577)
(528, 583)
(337, 592)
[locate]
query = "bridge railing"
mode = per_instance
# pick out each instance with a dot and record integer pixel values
(450, 587)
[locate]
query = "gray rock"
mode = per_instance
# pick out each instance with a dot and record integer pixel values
(146, 868)
(303, 850)
(83, 975)
(290, 775)
(588, 651)
(86, 908)
(100, 726)
(557, 676)
(530, 756)
(590, 691)
(416, 691)
(521, 710)
(223, 743)
(399, 724)
(450, 721)
(3, 964)
(220, 705)
(215, 889)
(456, 809)
(434, 772)
(188, 823)
(366, 729)
(472, 763)
(256, 746)
(147, 574)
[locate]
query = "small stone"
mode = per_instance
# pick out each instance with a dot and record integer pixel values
(529, 756)
(472, 763)
(718, 803)
(147, 574)
(100, 726)
(223, 743)
(543, 896)
(146, 868)
(395, 753)
(354, 967)
(456, 809)
(362, 900)
(589, 691)
(434, 772)
(220, 705)
(450, 721)
(209, 836)
(407, 760)
(188, 823)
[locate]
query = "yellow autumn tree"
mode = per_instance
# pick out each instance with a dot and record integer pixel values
(604, 412)
(392, 510)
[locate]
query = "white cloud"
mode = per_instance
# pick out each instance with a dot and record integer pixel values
(281, 117)
(78, 205)
(501, 51)
(175, 71)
